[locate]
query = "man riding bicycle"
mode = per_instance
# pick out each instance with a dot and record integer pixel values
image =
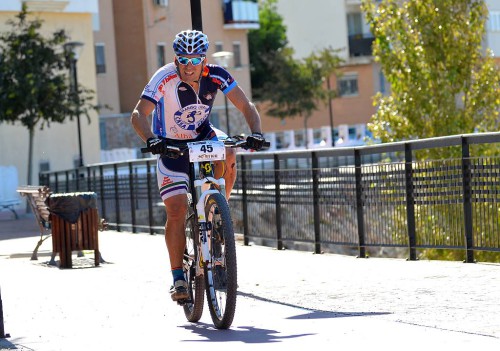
(180, 95)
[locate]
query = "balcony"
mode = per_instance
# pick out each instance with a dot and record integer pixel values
(241, 14)
(360, 45)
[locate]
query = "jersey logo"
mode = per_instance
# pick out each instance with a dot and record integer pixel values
(217, 81)
(161, 87)
(191, 117)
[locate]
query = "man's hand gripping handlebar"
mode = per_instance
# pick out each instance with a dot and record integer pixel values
(242, 142)
(159, 146)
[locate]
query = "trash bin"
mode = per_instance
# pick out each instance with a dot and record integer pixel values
(75, 223)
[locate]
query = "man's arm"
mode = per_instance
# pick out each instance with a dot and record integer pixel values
(140, 121)
(240, 100)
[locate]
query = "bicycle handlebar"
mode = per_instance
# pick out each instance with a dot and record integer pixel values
(238, 141)
(170, 149)
(231, 142)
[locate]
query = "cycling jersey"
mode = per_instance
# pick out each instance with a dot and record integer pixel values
(181, 112)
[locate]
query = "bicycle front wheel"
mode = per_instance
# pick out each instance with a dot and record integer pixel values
(193, 308)
(221, 278)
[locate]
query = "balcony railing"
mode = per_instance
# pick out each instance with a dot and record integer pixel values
(241, 14)
(360, 45)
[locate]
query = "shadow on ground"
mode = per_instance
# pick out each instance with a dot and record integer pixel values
(246, 334)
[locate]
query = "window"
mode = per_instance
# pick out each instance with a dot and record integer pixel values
(348, 85)
(299, 138)
(352, 133)
(160, 54)
(219, 46)
(381, 78)
(237, 54)
(103, 134)
(162, 3)
(100, 59)
(44, 166)
(354, 24)
(318, 136)
(280, 140)
(494, 22)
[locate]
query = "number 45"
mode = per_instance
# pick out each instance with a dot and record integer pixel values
(207, 148)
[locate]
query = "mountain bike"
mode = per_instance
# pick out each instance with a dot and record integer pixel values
(210, 255)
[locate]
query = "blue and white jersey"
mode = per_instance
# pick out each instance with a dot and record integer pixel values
(182, 113)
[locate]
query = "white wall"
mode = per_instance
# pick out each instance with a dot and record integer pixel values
(493, 35)
(314, 25)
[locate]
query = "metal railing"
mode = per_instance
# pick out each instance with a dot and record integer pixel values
(361, 197)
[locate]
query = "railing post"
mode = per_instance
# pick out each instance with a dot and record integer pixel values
(67, 181)
(315, 179)
(244, 199)
(410, 202)
(150, 198)
(117, 198)
(89, 179)
(359, 204)
(101, 184)
(132, 195)
(2, 328)
(467, 196)
(77, 180)
(277, 194)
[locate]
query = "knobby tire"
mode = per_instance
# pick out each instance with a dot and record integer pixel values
(222, 304)
(193, 309)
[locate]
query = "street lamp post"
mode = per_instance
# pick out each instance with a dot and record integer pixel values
(222, 59)
(330, 111)
(72, 50)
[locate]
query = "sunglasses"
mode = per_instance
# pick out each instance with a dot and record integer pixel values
(195, 61)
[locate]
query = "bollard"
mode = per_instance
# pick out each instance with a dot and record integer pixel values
(2, 329)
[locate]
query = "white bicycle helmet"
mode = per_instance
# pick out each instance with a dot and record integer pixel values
(190, 42)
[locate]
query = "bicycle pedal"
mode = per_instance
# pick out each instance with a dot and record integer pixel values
(183, 302)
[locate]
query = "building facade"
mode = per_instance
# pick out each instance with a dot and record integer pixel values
(340, 24)
(125, 42)
(139, 41)
(56, 147)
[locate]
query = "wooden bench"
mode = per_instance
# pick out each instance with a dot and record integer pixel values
(36, 196)
(66, 237)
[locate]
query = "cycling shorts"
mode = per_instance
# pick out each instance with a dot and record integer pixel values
(173, 174)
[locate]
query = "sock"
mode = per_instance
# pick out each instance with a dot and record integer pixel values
(177, 273)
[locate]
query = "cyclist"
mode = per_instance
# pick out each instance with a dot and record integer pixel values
(180, 95)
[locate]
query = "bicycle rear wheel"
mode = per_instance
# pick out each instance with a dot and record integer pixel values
(193, 308)
(221, 280)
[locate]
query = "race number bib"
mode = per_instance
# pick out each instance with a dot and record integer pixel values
(207, 150)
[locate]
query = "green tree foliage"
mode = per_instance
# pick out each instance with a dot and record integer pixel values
(266, 46)
(442, 81)
(291, 87)
(34, 86)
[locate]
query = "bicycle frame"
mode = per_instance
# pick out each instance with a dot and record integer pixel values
(199, 197)
(210, 265)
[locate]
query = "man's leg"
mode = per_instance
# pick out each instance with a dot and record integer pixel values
(229, 169)
(176, 207)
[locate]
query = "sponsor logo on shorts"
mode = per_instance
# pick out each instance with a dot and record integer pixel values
(166, 181)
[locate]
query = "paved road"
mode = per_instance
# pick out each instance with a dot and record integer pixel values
(286, 299)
